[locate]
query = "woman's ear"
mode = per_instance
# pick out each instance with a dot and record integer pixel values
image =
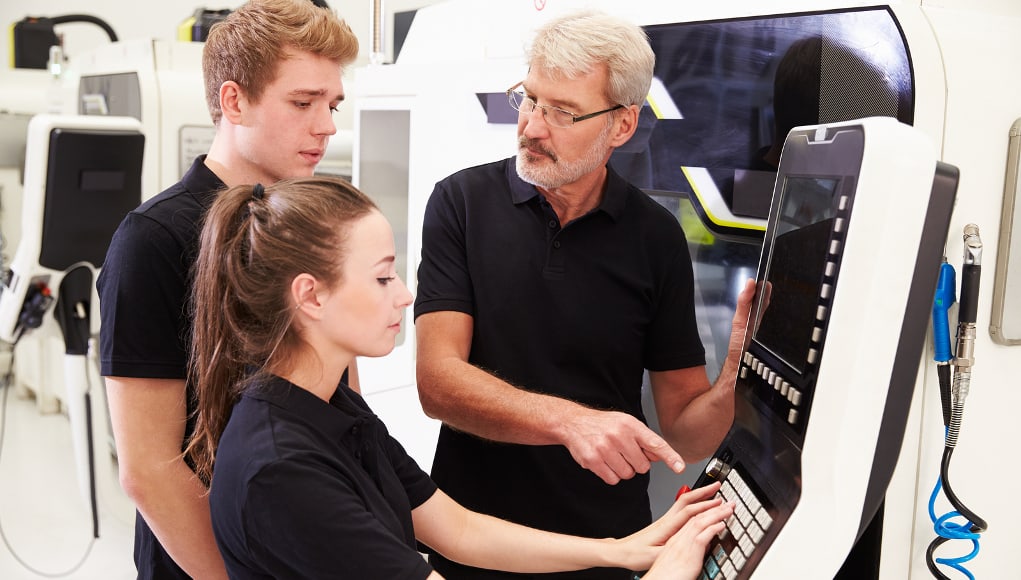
(305, 294)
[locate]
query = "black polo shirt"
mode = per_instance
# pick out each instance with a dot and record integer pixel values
(145, 280)
(308, 489)
(577, 311)
(143, 295)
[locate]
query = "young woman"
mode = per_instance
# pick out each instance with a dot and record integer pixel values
(291, 283)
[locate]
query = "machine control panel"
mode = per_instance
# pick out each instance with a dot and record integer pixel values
(845, 281)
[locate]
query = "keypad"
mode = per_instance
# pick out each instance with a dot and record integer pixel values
(744, 530)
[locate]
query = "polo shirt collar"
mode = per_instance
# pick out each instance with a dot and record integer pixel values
(201, 180)
(333, 419)
(614, 194)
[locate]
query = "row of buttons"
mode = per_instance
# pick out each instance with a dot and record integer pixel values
(745, 528)
(786, 390)
(826, 292)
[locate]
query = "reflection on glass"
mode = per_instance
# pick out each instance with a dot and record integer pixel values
(721, 267)
(739, 86)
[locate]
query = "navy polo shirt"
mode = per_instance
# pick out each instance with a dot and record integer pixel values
(303, 488)
(578, 311)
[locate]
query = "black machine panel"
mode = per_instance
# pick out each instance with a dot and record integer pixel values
(93, 180)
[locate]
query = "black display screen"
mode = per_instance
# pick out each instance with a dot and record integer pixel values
(796, 268)
(93, 179)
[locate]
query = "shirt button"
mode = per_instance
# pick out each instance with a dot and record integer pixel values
(556, 244)
(553, 224)
(354, 430)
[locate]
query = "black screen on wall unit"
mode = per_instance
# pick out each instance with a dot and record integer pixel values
(796, 267)
(93, 179)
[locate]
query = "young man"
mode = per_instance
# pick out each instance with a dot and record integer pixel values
(534, 361)
(273, 79)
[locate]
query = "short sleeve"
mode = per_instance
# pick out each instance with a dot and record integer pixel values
(417, 483)
(444, 279)
(142, 295)
(673, 341)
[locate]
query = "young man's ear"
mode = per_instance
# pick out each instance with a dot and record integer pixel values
(231, 101)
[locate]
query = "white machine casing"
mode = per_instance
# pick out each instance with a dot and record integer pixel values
(25, 266)
(869, 302)
(172, 106)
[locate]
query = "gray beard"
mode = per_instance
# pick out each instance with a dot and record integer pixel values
(561, 173)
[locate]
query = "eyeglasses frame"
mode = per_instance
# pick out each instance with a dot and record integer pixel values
(574, 118)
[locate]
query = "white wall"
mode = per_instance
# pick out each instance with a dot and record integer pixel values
(160, 20)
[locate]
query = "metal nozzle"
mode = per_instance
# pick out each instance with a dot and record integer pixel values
(972, 245)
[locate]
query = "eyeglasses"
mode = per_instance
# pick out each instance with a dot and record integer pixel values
(554, 115)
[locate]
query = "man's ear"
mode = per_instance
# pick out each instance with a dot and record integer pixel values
(627, 124)
(231, 101)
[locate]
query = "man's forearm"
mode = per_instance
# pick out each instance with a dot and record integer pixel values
(698, 431)
(470, 399)
(176, 508)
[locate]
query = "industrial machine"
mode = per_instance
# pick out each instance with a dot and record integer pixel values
(846, 279)
(159, 83)
(82, 175)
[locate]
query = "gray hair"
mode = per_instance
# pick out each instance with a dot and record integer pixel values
(573, 45)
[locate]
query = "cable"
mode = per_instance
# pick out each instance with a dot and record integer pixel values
(66, 18)
(90, 443)
(947, 530)
(5, 386)
(40, 310)
(953, 392)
